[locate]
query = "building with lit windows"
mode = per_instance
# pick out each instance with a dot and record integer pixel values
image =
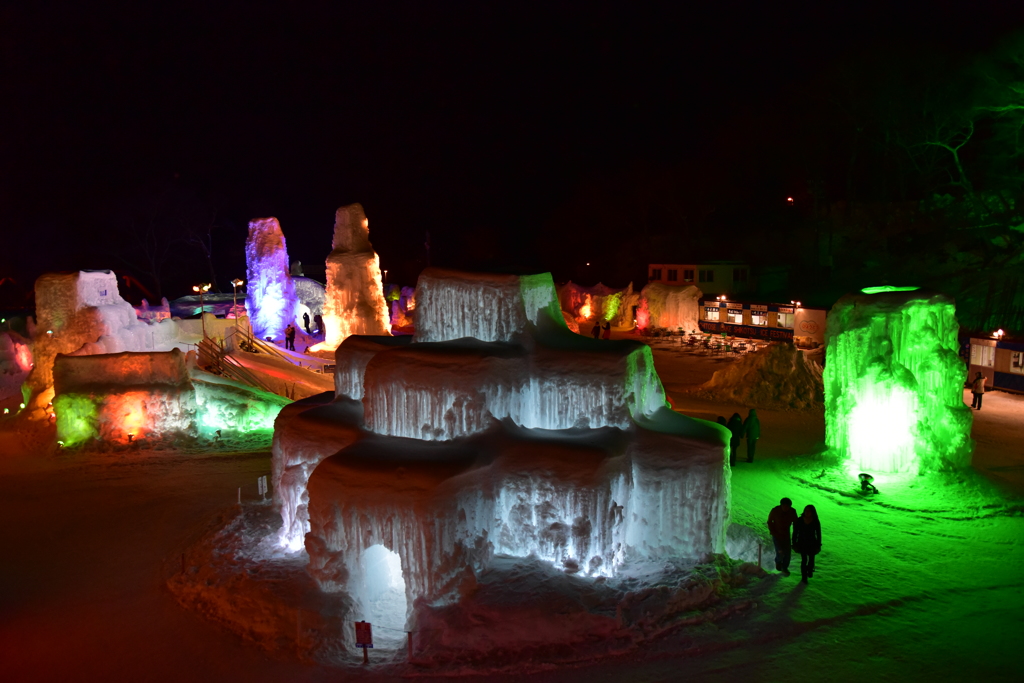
(792, 321)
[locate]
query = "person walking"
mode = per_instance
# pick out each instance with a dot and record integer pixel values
(807, 541)
(289, 338)
(780, 519)
(978, 389)
(305, 322)
(735, 425)
(607, 334)
(597, 330)
(752, 430)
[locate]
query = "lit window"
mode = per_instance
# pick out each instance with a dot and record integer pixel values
(785, 320)
(984, 356)
(711, 313)
(758, 317)
(735, 316)
(1017, 362)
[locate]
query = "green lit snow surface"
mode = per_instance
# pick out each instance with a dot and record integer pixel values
(922, 582)
(888, 288)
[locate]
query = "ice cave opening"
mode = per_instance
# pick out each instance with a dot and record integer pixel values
(378, 587)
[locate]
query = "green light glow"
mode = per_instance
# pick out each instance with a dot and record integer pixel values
(894, 383)
(611, 306)
(887, 288)
(77, 420)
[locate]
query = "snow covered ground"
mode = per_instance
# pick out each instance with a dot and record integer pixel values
(921, 583)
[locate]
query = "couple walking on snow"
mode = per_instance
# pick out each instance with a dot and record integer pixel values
(738, 428)
(806, 537)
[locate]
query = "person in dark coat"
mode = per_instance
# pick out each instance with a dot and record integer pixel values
(978, 389)
(305, 322)
(722, 421)
(752, 430)
(807, 540)
(607, 334)
(318, 321)
(780, 519)
(289, 338)
(735, 425)
(596, 331)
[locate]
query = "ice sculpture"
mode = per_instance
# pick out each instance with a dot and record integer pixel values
(494, 431)
(894, 382)
(271, 299)
(127, 397)
(599, 303)
(311, 296)
(671, 307)
(82, 313)
(355, 296)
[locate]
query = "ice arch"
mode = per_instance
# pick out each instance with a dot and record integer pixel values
(378, 587)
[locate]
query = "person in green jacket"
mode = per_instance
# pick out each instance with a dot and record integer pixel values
(752, 430)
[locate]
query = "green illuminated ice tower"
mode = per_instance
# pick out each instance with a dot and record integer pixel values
(894, 382)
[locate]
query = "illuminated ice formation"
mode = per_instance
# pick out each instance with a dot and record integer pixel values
(671, 307)
(894, 382)
(82, 313)
(271, 299)
(142, 397)
(355, 296)
(598, 303)
(311, 296)
(494, 431)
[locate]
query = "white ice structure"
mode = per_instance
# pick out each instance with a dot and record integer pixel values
(81, 313)
(271, 299)
(311, 297)
(672, 307)
(495, 431)
(355, 296)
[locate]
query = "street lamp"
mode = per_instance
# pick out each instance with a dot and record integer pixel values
(385, 275)
(235, 284)
(202, 289)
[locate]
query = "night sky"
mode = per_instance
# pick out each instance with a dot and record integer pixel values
(488, 125)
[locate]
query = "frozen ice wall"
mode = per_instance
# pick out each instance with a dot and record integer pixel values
(672, 307)
(447, 390)
(355, 296)
(271, 299)
(123, 396)
(894, 382)
(586, 502)
(82, 313)
(151, 396)
(484, 306)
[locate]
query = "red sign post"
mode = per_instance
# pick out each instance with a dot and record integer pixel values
(364, 638)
